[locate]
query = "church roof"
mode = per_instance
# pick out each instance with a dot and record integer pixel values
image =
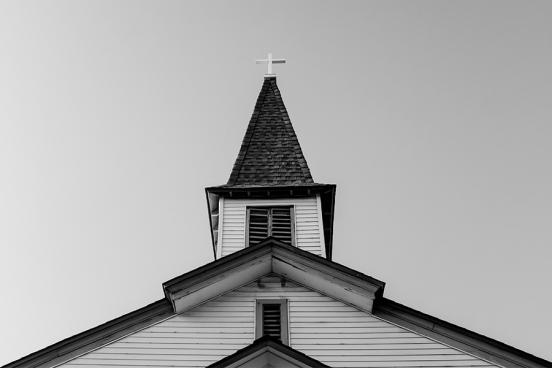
(270, 154)
(286, 259)
(267, 344)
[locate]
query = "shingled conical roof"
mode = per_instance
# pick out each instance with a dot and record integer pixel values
(270, 154)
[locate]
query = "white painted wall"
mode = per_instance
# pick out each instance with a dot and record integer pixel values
(321, 327)
(309, 234)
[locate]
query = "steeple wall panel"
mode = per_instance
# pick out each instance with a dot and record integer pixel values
(308, 226)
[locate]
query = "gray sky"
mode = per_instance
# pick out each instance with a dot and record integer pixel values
(433, 118)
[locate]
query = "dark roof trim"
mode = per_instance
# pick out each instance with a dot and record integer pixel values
(93, 338)
(246, 254)
(327, 199)
(456, 336)
(211, 227)
(268, 342)
(247, 190)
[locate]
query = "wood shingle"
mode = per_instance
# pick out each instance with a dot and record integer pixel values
(270, 154)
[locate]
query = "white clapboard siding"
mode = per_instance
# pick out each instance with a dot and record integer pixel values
(309, 234)
(321, 327)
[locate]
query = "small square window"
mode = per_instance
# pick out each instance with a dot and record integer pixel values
(272, 319)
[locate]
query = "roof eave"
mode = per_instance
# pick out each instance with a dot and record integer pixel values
(298, 189)
(272, 256)
(456, 336)
(88, 340)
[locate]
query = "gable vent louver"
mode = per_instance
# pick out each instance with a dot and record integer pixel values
(272, 320)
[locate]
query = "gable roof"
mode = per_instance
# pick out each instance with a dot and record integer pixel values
(270, 153)
(274, 256)
(456, 336)
(267, 344)
(93, 338)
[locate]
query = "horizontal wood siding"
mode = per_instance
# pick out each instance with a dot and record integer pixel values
(321, 327)
(308, 233)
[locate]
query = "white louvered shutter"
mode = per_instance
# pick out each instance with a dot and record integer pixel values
(258, 224)
(281, 224)
(263, 222)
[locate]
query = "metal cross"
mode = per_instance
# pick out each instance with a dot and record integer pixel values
(269, 61)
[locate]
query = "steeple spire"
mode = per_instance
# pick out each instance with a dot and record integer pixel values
(270, 153)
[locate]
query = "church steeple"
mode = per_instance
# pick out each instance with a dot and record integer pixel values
(271, 192)
(270, 153)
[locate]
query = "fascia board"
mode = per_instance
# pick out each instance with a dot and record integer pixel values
(331, 269)
(93, 338)
(326, 281)
(210, 270)
(220, 283)
(457, 337)
(208, 282)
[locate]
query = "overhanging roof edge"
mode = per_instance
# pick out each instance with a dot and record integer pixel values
(247, 254)
(456, 336)
(222, 189)
(73, 346)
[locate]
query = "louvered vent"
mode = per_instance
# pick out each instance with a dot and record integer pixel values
(281, 227)
(270, 221)
(258, 224)
(272, 320)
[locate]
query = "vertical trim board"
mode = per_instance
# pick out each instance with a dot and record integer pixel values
(221, 221)
(321, 225)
